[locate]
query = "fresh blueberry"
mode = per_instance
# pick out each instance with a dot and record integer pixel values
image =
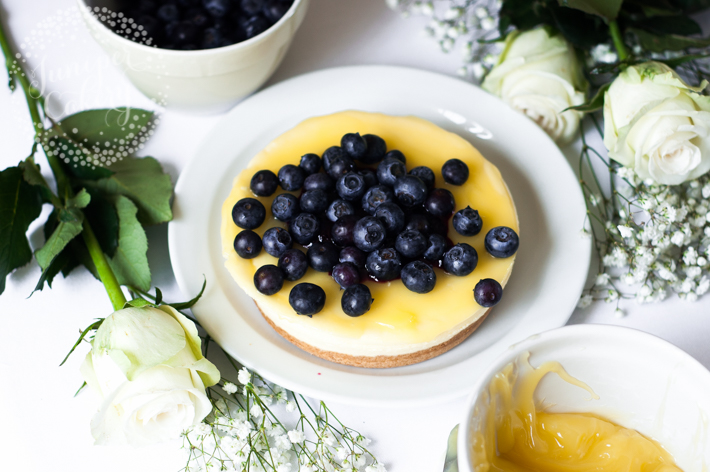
(426, 174)
(338, 209)
(268, 279)
(294, 264)
(376, 196)
(440, 202)
(356, 300)
(168, 12)
(411, 243)
(389, 171)
(217, 8)
(247, 244)
(318, 182)
(376, 149)
(275, 9)
(147, 6)
(353, 255)
(150, 25)
(310, 163)
(502, 241)
(351, 186)
(419, 277)
(487, 292)
(346, 274)
(410, 190)
(438, 225)
(277, 241)
(339, 166)
(291, 177)
(467, 222)
(285, 207)
(370, 177)
(384, 264)
(330, 154)
(198, 17)
(391, 216)
(304, 228)
(211, 38)
(306, 299)
(418, 222)
(255, 26)
(343, 230)
(460, 260)
(369, 234)
(314, 201)
(436, 247)
(248, 213)
(322, 256)
(251, 7)
(182, 33)
(454, 172)
(264, 183)
(188, 3)
(354, 145)
(395, 154)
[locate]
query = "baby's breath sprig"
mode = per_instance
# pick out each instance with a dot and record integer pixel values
(257, 426)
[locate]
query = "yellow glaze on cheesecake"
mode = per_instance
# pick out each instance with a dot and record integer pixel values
(400, 322)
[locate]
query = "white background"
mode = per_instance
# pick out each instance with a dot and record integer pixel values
(43, 426)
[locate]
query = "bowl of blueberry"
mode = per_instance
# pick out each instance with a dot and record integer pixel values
(195, 55)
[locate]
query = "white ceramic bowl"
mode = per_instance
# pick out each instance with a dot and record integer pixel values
(208, 80)
(644, 383)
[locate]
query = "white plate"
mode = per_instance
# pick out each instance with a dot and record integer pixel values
(547, 279)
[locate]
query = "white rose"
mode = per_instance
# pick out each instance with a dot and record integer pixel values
(539, 75)
(657, 124)
(147, 365)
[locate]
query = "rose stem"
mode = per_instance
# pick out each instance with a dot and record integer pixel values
(618, 40)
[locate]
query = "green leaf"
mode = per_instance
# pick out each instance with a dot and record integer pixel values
(32, 175)
(70, 225)
(189, 303)
(80, 200)
(607, 9)
(138, 303)
(20, 205)
(677, 61)
(81, 161)
(145, 183)
(116, 126)
(595, 103)
(661, 25)
(670, 42)
(93, 326)
(691, 6)
(103, 218)
(58, 264)
(582, 30)
(130, 263)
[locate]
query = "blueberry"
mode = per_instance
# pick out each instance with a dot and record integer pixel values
(277, 241)
(350, 186)
(343, 230)
(389, 171)
(340, 166)
(411, 243)
(419, 277)
(322, 256)
(310, 163)
(318, 182)
(436, 247)
(438, 225)
(370, 177)
(306, 299)
(418, 222)
(188, 3)
(304, 228)
(294, 264)
(395, 154)
(376, 196)
(314, 201)
(354, 145)
(211, 38)
(198, 17)
(501, 241)
(460, 260)
(440, 202)
(255, 26)
(426, 174)
(247, 244)
(275, 9)
(168, 12)
(487, 292)
(454, 172)
(268, 279)
(330, 154)
(338, 209)
(410, 190)
(217, 8)
(264, 183)
(391, 216)
(346, 274)
(248, 213)
(251, 7)
(369, 234)
(376, 149)
(384, 264)
(150, 25)
(467, 222)
(182, 33)
(356, 300)
(353, 255)
(285, 207)
(291, 177)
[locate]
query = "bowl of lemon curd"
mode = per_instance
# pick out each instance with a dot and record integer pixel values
(589, 397)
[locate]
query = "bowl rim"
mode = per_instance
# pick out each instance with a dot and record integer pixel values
(591, 331)
(270, 31)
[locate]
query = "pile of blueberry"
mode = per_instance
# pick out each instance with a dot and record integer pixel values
(361, 215)
(200, 24)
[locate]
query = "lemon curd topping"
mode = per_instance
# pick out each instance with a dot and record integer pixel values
(400, 320)
(517, 437)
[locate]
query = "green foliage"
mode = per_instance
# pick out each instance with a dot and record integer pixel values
(130, 262)
(595, 103)
(115, 126)
(607, 9)
(669, 42)
(103, 217)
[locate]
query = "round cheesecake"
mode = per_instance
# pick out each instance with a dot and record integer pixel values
(402, 327)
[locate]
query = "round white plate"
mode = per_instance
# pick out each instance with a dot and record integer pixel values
(547, 279)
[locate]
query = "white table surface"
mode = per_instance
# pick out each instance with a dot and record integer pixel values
(43, 426)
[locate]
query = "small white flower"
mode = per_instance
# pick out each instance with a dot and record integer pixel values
(392, 4)
(230, 388)
(285, 467)
(341, 453)
(701, 261)
(362, 441)
(375, 468)
(706, 191)
(612, 295)
(691, 297)
(584, 234)
(619, 313)
(488, 23)
(584, 301)
(446, 44)
(255, 411)
(481, 13)
(282, 442)
(453, 13)
(328, 438)
(678, 238)
(290, 406)
(645, 291)
(703, 285)
(625, 231)
(428, 9)
(477, 70)
(296, 436)
(244, 376)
